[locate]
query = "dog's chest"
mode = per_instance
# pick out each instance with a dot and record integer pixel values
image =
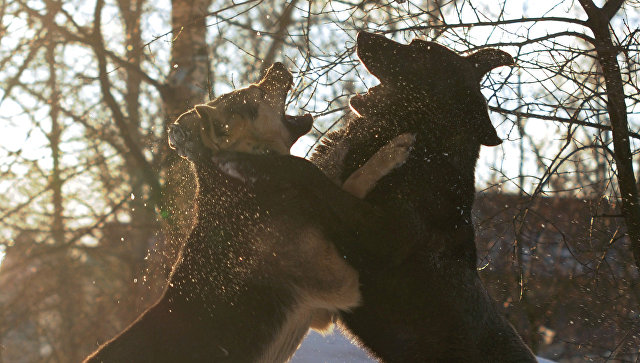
(427, 188)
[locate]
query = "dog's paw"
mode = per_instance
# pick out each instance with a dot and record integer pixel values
(396, 151)
(231, 169)
(233, 166)
(389, 157)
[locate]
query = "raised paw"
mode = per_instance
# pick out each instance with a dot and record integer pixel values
(396, 151)
(389, 157)
(233, 165)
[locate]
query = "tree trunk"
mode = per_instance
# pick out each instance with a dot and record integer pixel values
(68, 288)
(607, 53)
(143, 220)
(278, 39)
(187, 86)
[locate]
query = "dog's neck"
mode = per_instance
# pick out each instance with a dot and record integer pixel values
(416, 112)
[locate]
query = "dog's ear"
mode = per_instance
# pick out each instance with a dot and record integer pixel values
(378, 54)
(277, 79)
(482, 62)
(206, 112)
(487, 59)
(212, 126)
(435, 50)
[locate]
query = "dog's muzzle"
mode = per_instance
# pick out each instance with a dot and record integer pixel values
(176, 136)
(178, 139)
(298, 125)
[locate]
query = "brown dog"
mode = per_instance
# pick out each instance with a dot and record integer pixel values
(250, 120)
(258, 268)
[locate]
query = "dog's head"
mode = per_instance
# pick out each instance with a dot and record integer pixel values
(427, 68)
(250, 119)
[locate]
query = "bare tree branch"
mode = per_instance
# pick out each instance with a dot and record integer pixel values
(98, 46)
(607, 56)
(283, 23)
(634, 135)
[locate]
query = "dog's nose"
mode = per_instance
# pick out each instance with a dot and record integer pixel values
(277, 79)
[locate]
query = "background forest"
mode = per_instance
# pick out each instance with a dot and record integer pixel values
(93, 204)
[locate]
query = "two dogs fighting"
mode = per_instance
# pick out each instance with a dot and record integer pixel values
(374, 231)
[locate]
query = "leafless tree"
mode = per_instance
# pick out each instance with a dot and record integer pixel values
(93, 205)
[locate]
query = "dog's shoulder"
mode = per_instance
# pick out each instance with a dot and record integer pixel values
(341, 152)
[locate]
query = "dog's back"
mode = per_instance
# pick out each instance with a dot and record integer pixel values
(248, 281)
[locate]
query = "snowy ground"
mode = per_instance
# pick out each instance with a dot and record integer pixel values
(335, 348)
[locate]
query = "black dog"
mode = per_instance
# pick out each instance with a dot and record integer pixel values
(432, 306)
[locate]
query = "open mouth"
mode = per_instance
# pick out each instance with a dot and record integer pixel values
(298, 125)
(360, 101)
(371, 92)
(357, 98)
(278, 81)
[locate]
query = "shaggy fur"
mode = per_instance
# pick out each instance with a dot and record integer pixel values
(236, 294)
(254, 273)
(429, 303)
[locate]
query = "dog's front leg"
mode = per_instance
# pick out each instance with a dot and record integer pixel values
(389, 157)
(273, 175)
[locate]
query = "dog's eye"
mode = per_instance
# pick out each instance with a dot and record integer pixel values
(262, 94)
(220, 128)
